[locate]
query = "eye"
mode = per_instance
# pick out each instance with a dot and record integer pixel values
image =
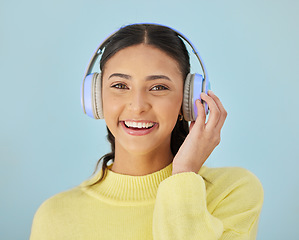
(120, 86)
(159, 88)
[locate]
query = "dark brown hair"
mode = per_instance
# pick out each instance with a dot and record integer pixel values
(168, 41)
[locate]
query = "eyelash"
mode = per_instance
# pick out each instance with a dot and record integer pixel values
(154, 88)
(120, 86)
(160, 86)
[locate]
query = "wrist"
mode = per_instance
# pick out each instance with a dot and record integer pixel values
(184, 169)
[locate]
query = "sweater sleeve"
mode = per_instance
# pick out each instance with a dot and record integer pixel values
(184, 211)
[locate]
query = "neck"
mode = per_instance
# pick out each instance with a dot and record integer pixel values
(139, 164)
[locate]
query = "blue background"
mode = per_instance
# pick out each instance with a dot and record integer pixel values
(250, 49)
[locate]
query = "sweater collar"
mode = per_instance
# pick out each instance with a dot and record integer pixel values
(118, 188)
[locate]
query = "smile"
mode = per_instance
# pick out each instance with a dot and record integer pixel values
(138, 128)
(140, 125)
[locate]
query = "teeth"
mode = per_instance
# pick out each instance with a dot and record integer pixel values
(139, 124)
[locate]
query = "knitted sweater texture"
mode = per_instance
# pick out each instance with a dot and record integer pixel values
(216, 203)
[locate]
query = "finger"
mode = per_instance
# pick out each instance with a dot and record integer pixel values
(214, 110)
(191, 125)
(201, 115)
(223, 113)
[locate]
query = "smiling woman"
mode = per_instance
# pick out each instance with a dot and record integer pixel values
(156, 187)
(151, 92)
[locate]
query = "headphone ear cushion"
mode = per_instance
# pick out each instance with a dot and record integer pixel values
(187, 97)
(98, 106)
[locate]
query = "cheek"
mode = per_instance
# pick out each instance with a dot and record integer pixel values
(174, 105)
(171, 108)
(111, 107)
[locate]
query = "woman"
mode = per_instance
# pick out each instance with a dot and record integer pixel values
(157, 186)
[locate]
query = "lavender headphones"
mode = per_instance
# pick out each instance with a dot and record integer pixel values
(91, 92)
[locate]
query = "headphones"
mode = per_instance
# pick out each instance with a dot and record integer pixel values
(91, 92)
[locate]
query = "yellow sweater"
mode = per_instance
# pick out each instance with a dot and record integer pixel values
(217, 203)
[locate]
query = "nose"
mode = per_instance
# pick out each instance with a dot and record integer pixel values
(139, 102)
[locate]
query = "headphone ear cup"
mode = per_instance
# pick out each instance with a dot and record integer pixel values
(92, 96)
(192, 90)
(205, 88)
(87, 95)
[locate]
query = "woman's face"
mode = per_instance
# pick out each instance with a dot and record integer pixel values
(142, 96)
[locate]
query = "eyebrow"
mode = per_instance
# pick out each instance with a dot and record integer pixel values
(154, 77)
(121, 75)
(148, 78)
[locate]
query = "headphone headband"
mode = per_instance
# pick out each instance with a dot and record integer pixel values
(99, 51)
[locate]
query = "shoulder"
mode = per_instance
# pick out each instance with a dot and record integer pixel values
(233, 184)
(57, 212)
(58, 203)
(229, 175)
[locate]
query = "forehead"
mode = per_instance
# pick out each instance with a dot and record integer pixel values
(142, 58)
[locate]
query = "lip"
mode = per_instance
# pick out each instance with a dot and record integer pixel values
(138, 132)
